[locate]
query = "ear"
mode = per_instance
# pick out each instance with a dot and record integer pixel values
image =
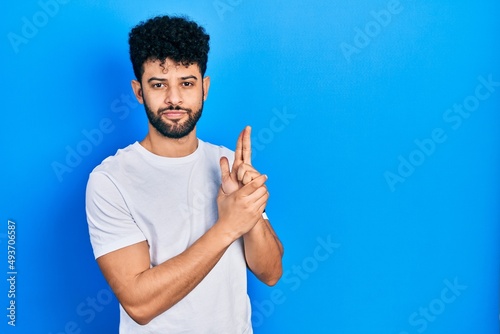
(206, 86)
(137, 88)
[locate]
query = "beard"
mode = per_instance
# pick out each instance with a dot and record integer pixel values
(178, 129)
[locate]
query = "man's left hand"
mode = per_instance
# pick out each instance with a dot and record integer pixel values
(242, 171)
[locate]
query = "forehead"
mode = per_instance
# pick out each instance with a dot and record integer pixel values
(169, 68)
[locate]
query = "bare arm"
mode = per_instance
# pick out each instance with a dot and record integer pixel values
(146, 292)
(263, 249)
(142, 290)
(263, 252)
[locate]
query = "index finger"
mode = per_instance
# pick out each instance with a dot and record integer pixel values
(247, 146)
(238, 152)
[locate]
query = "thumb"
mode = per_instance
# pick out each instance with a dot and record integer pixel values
(224, 168)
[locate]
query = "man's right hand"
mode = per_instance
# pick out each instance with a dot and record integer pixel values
(242, 209)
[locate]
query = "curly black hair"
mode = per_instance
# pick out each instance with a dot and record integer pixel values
(174, 37)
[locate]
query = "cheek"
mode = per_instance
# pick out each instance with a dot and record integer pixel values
(154, 101)
(194, 99)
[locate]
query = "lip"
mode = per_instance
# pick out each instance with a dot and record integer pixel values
(173, 114)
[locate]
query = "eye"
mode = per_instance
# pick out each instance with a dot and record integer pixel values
(158, 85)
(187, 84)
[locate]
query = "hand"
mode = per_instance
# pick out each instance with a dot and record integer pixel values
(240, 211)
(242, 171)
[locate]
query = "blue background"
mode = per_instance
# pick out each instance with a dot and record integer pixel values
(384, 195)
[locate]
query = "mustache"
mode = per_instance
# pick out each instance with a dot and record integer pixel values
(170, 108)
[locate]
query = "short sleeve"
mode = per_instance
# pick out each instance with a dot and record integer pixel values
(111, 226)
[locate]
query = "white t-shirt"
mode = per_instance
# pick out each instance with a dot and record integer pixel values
(136, 195)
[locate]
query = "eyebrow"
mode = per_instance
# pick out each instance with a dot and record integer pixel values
(156, 79)
(163, 79)
(189, 77)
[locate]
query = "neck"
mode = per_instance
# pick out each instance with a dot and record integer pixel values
(169, 147)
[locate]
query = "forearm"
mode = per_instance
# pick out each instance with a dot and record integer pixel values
(146, 292)
(157, 289)
(263, 252)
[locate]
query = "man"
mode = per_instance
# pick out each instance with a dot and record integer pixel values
(172, 226)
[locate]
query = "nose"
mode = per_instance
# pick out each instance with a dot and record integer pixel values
(173, 96)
